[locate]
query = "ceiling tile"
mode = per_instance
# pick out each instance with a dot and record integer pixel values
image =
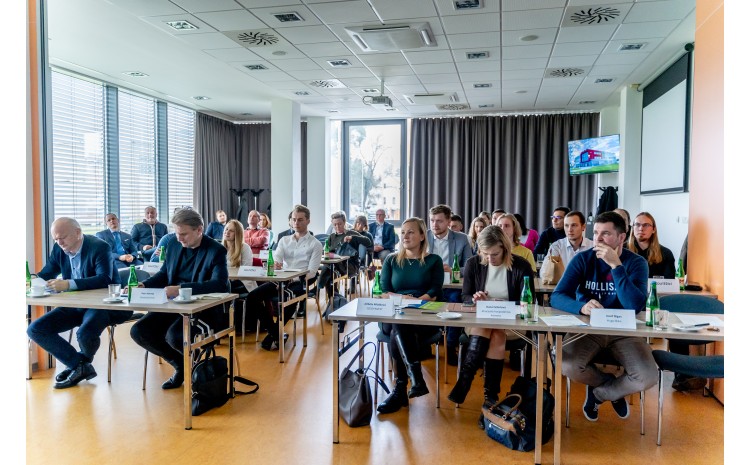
(262, 3)
(649, 29)
(650, 45)
(564, 62)
(478, 66)
(350, 72)
(376, 59)
(297, 64)
(527, 51)
(434, 68)
(405, 79)
(465, 24)
(231, 20)
(563, 82)
(624, 58)
(428, 57)
(323, 61)
(150, 7)
(520, 84)
(585, 34)
(160, 22)
(557, 92)
(395, 10)
(406, 89)
(613, 69)
(344, 12)
(323, 50)
(308, 34)
(512, 5)
(207, 40)
(524, 63)
(659, 11)
(361, 82)
(447, 8)
(290, 85)
(273, 52)
(544, 36)
(442, 78)
(479, 76)
(459, 55)
(522, 74)
(232, 54)
(267, 16)
(488, 39)
(310, 75)
(578, 48)
(532, 19)
(387, 70)
(269, 76)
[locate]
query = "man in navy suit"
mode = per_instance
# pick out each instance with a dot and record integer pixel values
(124, 250)
(384, 236)
(85, 263)
(147, 233)
(196, 261)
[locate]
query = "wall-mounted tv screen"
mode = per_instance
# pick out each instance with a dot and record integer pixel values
(595, 155)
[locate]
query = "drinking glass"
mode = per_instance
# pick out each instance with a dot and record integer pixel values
(534, 317)
(396, 299)
(661, 319)
(114, 291)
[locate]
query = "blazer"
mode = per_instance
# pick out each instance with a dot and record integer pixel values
(475, 278)
(97, 268)
(215, 231)
(458, 243)
(141, 233)
(209, 273)
(389, 235)
(127, 244)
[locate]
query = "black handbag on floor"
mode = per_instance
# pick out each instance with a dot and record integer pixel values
(210, 382)
(355, 396)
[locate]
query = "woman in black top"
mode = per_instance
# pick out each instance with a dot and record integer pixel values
(494, 274)
(413, 271)
(644, 240)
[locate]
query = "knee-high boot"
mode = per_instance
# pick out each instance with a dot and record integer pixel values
(398, 397)
(493, 374)
(475, 354)
(407, 346)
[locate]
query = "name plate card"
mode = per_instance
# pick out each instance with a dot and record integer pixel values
(375, 307)
(152, 267)
(263, 254)
(142, 295)
(670, 286)
(446, 277)
(251, 271)
(500, 309)
(612, 318)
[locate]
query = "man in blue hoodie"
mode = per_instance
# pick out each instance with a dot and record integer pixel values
(607, 276)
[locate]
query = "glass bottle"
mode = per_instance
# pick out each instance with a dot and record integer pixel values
(132, 282)
(455, 270)
(270, 264)
(681, 274)
(326, 250)
(162, 253)
(28, 278)
(376, 290)
(527, 301)
(652, 304)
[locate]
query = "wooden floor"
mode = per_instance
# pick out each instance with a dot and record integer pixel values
(289, 420)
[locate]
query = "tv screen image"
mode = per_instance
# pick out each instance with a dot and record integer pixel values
(595, 155)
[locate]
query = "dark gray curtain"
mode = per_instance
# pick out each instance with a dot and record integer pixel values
(253, 165)
(517, 163)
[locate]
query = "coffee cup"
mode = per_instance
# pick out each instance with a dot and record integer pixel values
(37, 291)
(186, 293)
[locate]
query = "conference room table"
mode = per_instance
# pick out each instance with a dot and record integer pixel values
(335, 275)
(282, 278)
(94, 299)
(542, 331)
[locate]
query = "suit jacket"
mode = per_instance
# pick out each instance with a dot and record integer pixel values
(458, 243)
(127, 244)
(209, 273)
(141, 233)
(389, 235)
(97, 268)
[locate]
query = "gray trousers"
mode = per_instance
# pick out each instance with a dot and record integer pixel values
(633, 353)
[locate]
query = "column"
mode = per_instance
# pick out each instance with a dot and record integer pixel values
(286, 165)
(319, 172)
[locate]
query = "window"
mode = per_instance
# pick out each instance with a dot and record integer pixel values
(78, 179)
(374, 160)
(180, 140)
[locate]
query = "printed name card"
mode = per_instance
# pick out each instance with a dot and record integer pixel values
(251, 271)
(500, 309)
(671, 286)
(263, 254)
(612, 318)
(142, 295)
(375, 307)
(446, 277)
(152, 267)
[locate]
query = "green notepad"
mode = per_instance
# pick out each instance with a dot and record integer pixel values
(435, 306)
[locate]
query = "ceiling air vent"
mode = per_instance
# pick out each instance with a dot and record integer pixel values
(630, 47)
(290, 17)
(453, 106)
(302, 92)
(586, 102)
(392, 38)
(482, 86)
(564, 72)
(487, 105)
(603, 80)
(434, 98)
(594, 15)
(257, 38)
(462, 5)
(327, 84)
(255, 67)
(477, 55)
(182, 25)
(339, 63)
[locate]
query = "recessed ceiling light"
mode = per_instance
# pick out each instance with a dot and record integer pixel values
(290, 17)
(341, 63)
(482, 86)
(467, 4)
(520, 92)
(630, 47)
(600, 80)
(529, 38)
(135, 74)
(477, 55)
(255, 67)
(302, 92)
(182, 25)
(201, 97)
(279, 53)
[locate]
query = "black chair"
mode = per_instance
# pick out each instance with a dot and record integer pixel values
(711, 366)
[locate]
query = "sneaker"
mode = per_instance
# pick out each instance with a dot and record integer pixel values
(591, 406)
(275, 344)
(621, 408)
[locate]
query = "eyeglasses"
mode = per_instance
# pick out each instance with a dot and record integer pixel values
(643, 225)
(555, 217)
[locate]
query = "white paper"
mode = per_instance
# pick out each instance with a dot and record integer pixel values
(698, 319)
(562, 320)
(251, 271)
(263, 254)
(612, 318)
(666, 286)
(410, 302)
(500, 309)
(212, 296)
(152, 267)
(375, 307)
(446, 277)
(142, 295)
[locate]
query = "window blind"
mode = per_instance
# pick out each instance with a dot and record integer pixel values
(181, 143)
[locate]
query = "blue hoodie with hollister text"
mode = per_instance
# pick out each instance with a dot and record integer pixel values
(588, 277)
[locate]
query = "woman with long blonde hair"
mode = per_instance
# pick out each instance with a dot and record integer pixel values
(644, 240)
(512, 230)
(238, 253)
(477, 225)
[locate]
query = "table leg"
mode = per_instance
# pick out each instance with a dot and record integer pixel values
(304, 320)
(541, 360)
(558, 396)
(232, 335)
(187, 360)
(335, 352)
(28, 343)
(281, 322)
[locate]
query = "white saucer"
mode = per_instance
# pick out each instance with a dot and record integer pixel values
(449, 315)
(688, 328)
(114, 300)
(46, 294)
(177, 300)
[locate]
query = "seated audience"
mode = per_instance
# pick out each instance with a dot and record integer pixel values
(340, 236)
(360, 225)
(644, 241)
(477, 225)
(625, 216)
(147, 234)
(348, 226)
(163, 242)
(238, 254)
(215, 229)
(496, 214)
(512, 230)
(457, 223)
(607, 276)
(287, 232)
(255, 236)
(487, 216)
(553, 233)
(124, 251)
(193, 261)
(574, 241)
(416, 273)
(265, 222)
(85, 263)
(529, 237)
(383, 234)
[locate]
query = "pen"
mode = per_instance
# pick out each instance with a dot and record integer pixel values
(698, 325)
(428, 313)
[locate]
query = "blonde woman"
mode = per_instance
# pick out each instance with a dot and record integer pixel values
(644, 240)
(477, 225)
(265, 222)
(415, 272)
(512, 230)
(238, 253)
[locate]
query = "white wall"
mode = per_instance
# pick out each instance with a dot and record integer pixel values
(671, 214)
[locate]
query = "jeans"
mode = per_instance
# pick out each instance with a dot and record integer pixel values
(260, 301)
(161, 333)
(46, 330)
(633, 353)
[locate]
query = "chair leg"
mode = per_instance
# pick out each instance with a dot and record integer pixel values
(660, 408)
(437, 374)
(110, 352)
(145, 365)
(460, 360)
(378, 348)
(567, 401)
(257, 330)
(244, 314)
(643, 413)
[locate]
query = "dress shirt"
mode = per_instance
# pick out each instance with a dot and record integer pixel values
(378, 237)
(304, 253)
(75, 268)
(564, 249)
(442, 248)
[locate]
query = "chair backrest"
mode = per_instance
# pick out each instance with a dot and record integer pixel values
(125, 275)
(322, 238)
(687, 303)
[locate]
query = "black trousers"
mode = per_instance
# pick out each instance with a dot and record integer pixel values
(261, 299)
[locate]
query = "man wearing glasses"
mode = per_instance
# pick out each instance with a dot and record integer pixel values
(554, 232)
(644, 240)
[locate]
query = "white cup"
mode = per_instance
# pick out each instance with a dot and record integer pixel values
(37, 291)
(186, 293)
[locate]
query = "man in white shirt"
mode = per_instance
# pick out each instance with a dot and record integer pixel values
(297, 251)
(573, 242)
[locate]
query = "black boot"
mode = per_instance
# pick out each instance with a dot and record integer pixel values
(396, 400)
(407, 348)
(475, 355)
(493, 374)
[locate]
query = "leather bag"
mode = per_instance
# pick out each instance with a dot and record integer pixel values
(355, 395)
(552, 269)
(210, 382)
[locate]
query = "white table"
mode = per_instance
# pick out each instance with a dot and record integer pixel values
(94, 299)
